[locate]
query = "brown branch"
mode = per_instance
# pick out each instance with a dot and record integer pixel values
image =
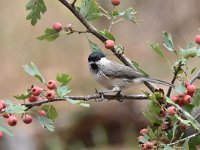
(96, 96)
(197, 76)
(91, 29)
(176, 71)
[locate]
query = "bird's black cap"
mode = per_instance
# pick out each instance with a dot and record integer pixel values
(95, 56)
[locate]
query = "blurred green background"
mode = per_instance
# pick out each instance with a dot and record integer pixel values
(106, 125)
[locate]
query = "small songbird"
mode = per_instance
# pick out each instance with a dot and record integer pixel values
(115, 76)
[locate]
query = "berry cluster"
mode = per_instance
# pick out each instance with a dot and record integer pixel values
(186, 98)
(36, 94)
(148, 145)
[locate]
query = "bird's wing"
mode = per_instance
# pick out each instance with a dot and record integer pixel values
(117, 70)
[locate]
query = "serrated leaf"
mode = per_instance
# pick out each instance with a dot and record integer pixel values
(63, 78)
(14, 108)
(107, 34)
(94, 47)
(22, 96)
(46, 122)
(139, 69)
(6, 130)
(73, 101)
(49, 35)
(90, 10)
(189, 107)
(196, 98)
(157, 49)
(62, 91)
(189, 53)
(181, 89)
(51, 111)
(167, 147)
(169, 45)
(36, 7)
(129, 15)
(33, 71)
(84, 104)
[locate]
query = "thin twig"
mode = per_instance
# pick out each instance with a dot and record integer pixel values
(73, 3)
(184, 139)
(197, 116)
(91, 29)
(197, 76)
(89, 97)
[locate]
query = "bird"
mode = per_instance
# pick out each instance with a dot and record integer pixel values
(115, 76)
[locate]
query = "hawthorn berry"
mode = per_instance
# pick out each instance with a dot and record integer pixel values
(197, 39)
(186, 84)
(36, 91)
(116, 2)
(109, 44)
(57, 26)
(1, 107)
(144, 131)
(12, 120)
(33, 98)
(1, 134)
(140, 137)
(50, 95)
(27, 119)
(191, 89)
(3, 103)
(42, 112)
(171, 110)
(144, 146)
(51, 85)
(175, 99)
(187, 99)
(162, 113)
(150, 145)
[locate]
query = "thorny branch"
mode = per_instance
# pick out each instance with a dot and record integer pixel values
(91, 29)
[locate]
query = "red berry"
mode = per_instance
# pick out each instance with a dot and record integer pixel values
(51, 85)
(197, 39)
(27, 119)
(162, 113)
(172, 110)
(3, 103)
(12, 121)
(149, 145)
(144, 147)
(144, 131)
(50, 95)
(33, 98)
(186, 84)
(116, 2)
(175, 99)
(5, 115)
(187, 99)
(191, 89)
(109, 44)
(1, 107)
(42, 112)
(140, 137)
(1, 134)
(57, 26)
(36, 91)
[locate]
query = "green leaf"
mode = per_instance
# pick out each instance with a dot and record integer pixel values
(169, 45)
(90, 10)
(186, 145)
(107, 34)
(157, 49)
(62, 91)
(6, 130)
(22, 96)
(189, 107)
(14, 108)
(196, 98)
(51, 111)
(83, 104)
(193, 142)
(119, 48)
(193, 70)
(167, 147)
(94, 47)
(49, 35)
(138, 68)
(46, 122)
(33, 71)
(36, 7)
(63, 78)
(151, 133)
(129, 15)
(181, 89)
(73, 101)
(189, 53)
